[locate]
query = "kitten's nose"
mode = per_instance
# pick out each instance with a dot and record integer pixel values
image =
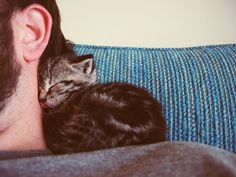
(43, 103)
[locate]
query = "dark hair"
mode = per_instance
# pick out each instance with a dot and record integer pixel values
(10, 69)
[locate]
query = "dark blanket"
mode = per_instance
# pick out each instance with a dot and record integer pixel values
(162, 159)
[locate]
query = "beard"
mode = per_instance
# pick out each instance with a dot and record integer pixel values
(9, 68)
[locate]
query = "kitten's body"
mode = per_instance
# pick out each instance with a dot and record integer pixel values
(97, 116)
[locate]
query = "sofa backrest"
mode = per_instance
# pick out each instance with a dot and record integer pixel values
(196, 86)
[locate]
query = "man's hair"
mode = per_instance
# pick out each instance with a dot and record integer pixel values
(9, 68)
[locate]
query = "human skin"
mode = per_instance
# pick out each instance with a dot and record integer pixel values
(20, 119)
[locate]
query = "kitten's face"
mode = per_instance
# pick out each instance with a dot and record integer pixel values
(58, 78)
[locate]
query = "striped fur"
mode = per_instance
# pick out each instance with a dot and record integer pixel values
(82, 115)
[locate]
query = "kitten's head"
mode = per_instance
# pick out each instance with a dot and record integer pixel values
(60, 76)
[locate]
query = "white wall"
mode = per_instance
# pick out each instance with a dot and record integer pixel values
(149, 23)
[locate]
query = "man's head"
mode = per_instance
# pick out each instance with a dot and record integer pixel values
(29, 30)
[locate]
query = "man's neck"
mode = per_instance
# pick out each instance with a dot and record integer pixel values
(25, 133)
(24, 129)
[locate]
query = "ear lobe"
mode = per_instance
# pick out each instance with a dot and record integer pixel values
(37, 30)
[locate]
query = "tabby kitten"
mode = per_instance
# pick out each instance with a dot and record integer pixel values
(82, 115)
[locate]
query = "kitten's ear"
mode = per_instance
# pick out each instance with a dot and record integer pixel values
(85, 63)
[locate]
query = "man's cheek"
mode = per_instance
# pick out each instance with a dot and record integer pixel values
(18, 38)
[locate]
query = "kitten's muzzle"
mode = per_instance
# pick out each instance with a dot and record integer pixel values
(43, 103)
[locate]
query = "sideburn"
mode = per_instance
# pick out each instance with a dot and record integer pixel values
(9, 68)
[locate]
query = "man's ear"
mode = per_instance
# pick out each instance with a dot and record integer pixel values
(37, 31)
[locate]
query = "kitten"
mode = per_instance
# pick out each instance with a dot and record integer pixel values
(82, 115)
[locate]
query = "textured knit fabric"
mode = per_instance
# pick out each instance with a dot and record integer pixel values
(196, 86)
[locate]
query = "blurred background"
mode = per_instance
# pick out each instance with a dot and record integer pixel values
(149, 23)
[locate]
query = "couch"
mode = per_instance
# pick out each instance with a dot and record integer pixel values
(197, 89)
(196, 86)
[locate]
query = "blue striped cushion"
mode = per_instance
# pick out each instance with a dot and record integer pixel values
(196, 86)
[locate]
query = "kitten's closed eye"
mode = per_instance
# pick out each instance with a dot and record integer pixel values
(61, 87)
(55, 95)
(57, 87)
